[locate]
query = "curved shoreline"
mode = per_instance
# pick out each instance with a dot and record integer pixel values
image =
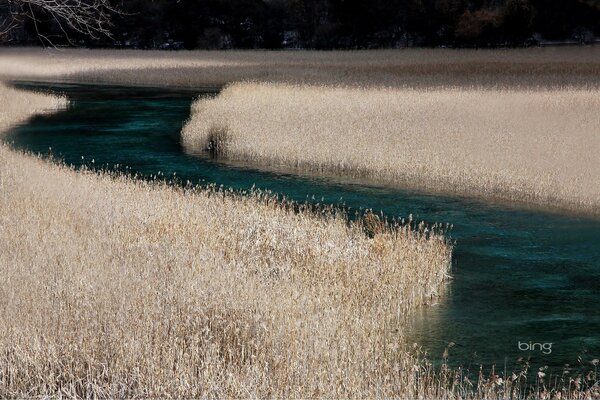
(552, 206)
(411, 187)
(365, 71)
(108, 279)
(170, 285)
(534, 148)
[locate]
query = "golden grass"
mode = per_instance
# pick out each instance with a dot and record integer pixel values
(535, 146)
(113, 287)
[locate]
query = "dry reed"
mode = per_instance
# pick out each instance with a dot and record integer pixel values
(421, 68)
(114, 287)
(515, 124)
(535, 146)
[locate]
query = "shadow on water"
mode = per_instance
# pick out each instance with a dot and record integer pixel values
(519, 275)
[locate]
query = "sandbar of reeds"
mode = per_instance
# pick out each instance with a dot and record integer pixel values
(538, 146)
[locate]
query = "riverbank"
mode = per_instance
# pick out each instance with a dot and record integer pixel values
(514, 125)
(107, 280)
(536, 147)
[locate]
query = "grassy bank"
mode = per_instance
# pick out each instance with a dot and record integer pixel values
(115, 287)
(536, 146)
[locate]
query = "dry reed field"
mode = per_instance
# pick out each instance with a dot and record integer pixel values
(535, 146)
(518, 125)
(115, 287)
(118, 287)
(420, 68)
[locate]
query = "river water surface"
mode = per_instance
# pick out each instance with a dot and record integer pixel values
(519, 276)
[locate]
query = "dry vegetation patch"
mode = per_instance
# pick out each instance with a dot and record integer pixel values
(116, 287)
(537, 146)
(415, 68)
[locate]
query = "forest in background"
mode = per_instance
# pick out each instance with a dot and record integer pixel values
(329, 24)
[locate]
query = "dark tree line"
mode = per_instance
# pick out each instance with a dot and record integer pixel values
(88, 18)
(327, 24)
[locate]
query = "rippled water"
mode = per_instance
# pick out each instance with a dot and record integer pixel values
(519, 275)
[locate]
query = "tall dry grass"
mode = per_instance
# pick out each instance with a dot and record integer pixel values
(535, 146)
(16, 107)
(516, 124)
(114, 287)
(415, 68)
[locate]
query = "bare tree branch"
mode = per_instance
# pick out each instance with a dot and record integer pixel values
(7, 21)
(87, 17)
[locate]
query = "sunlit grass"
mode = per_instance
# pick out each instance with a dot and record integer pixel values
(536, 146)
(117, 287)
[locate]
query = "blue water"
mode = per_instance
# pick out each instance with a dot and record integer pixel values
(518, 275)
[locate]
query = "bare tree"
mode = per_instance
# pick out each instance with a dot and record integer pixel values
(87, 17)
